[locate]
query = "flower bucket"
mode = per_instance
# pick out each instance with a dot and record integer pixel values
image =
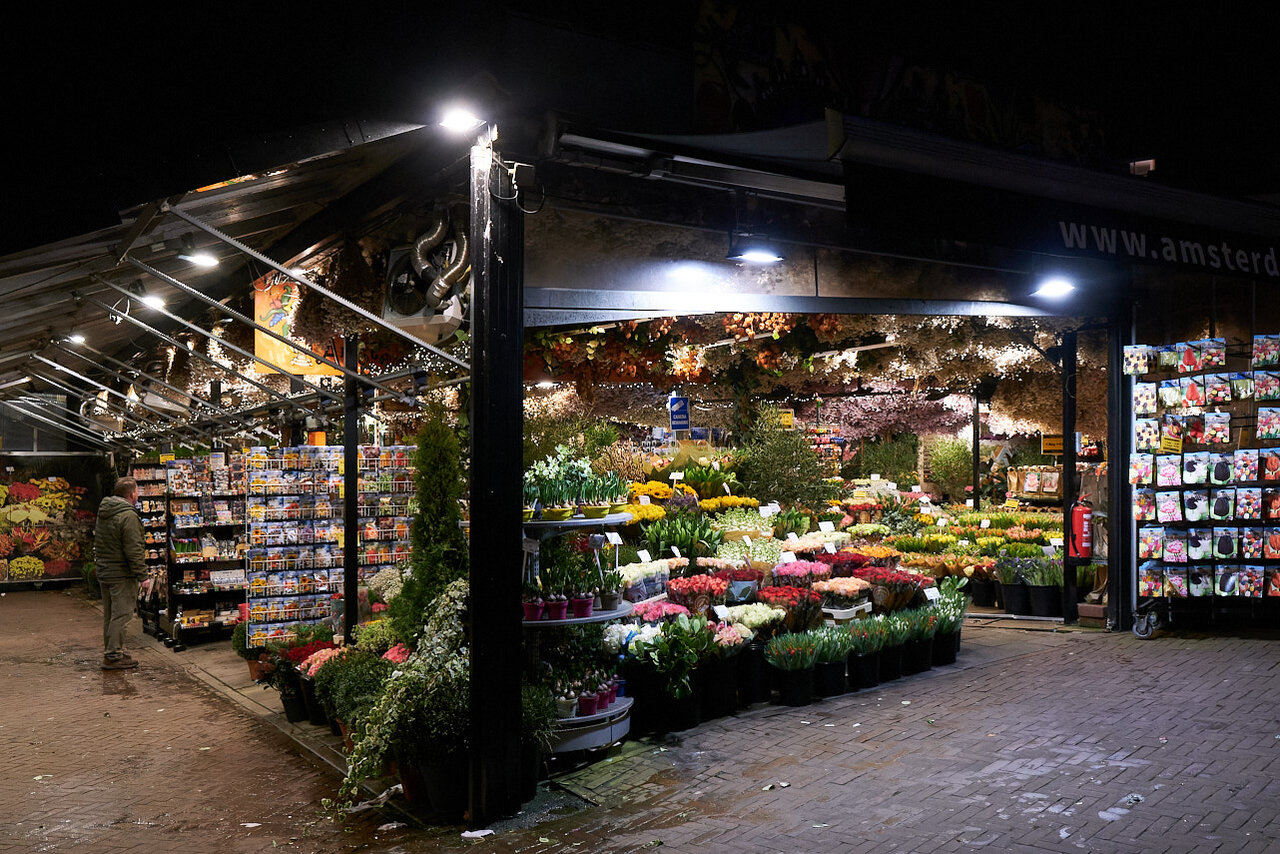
(753, 675)
(315, 712)
(582, 607)
(566, 708)
(1044, 600)
(829, 678)
(557, 609)
(864, 670)
(890, 663)
(917, 656)
(1016, 600)
(447, 786)
(533, 611)
(983, 592)
(586, 705)
(945, 648)
(527, 514)
(795, 687)
(717, 683)
(295, 708)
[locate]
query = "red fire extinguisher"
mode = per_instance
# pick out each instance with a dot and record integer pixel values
(1080, 543)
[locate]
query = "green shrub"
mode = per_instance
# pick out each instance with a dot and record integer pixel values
(778, 465)
(950, 465)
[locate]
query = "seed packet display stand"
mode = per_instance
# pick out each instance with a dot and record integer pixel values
(584, 732)
(206, 512)
(1204, 474)
(153, 596)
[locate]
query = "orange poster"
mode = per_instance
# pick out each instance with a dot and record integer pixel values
(275, 299)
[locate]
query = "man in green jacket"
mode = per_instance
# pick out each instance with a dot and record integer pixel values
(121, 561)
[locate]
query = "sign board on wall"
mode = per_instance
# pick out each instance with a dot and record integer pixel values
(1051, 446)
(678, 407)
(275, 300)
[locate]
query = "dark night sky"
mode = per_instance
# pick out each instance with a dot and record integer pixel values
(95, 97)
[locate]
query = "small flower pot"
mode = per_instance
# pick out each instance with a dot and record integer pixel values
(533, 610)
(795, 687)
(890, 663)
(864, 670)
(586, 705)
(556, 514)
(566, 708)
(610, 601)
(557, 609)
(582, 607)
(917, 655)
(595, 511)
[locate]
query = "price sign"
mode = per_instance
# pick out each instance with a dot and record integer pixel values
(1056, 542)
(968, 502)
(875, 477)
(1050, 446)
(860, 494)
(830, 548)
(721, 612)
(614, 537)
(644, 556)
(787, 557)
(985, 523)
(942, 523)
(931, 593)
(1050, 551)
(962, 542)
(675, 551)
(726, 490)
(747, 540)
(792, 538)
(1170, 444)
(893, 486)
(1012, 502)
(677, 475)
(644, 499)
(167, 458)
(826, 527)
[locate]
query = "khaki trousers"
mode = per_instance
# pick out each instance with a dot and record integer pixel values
(119, 600)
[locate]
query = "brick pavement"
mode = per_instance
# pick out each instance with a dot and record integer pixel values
(1034, 742)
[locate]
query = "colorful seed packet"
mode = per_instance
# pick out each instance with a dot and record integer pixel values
(1217, 428)
(1271, 543)
(1175, 583)
(1150, 543)
(1200, 581)
(1138, 359)
(1220, 468)
(1175, 546)
(1170, 392)
(1150, 580)
(1217, 389)
(1268, 464)
(1242, 385)
(1190, 359)
(1195, 505)
(1213, 352)
(1171, 426)
(1199, 544)
(1266, 350)
(1168, 470)
(1249, 581)
(1142, 469)
(1269, 422)
(1144, 399)
(1249, 503)
(1273, 581)
(1193, 429)
(1251, 543)
(1144, 505)
(1270, 503)
(1168, 506)
(1245, 465)
(1266, 385)
(1195, 468)
(1222, 504)
(1146, 434)
(1192, 391)
(1225, 581)
(1225, 543)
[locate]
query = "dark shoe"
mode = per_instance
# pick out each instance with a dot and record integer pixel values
(122, 662)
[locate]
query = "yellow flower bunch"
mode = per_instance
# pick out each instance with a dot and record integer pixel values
(879, 552)
(727, 502)
(654, 489)
(925, 519)
(644, 512)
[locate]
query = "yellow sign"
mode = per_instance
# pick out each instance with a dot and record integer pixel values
(1012, 502)
(787, 419)
(275, 300)
(167, 458)
(1050, 445)
(1170, 444)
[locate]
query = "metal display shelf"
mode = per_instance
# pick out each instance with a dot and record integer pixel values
(578, 522)
(590, 731)
(596, 617)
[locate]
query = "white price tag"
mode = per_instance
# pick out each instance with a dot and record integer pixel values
(1056, 542)
(931, 593)
(747, 540)
(644, 556)
(893, 486)
(614, 537)
(830, 548)
(875, 477)
(675, 551)
(775, 507)
(826, 527)
(764, 512)
(942, 523)
(677, 475)
(721, 612)
(985, 523)
(968, 502)
(962, 542)
(715, 464)
(644, 499)
(787, 557)
(915, 487)
(1050, 551)
(792, 537)
(726, 490)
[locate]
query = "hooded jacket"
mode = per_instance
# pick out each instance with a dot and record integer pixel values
(118, 541)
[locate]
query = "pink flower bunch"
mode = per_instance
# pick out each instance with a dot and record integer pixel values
(695, 584)
(397, 654)
(655, 612)
(727, 636)
(311, 665)
(802, 571)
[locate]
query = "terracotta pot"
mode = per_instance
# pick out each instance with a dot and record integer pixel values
(255, 669)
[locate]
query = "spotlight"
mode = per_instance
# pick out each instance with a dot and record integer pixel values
(1054, 287)
(199, 257)
(460, 120)
(75, 338)
(753, 249)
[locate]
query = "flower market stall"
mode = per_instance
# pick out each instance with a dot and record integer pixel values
(48, 507)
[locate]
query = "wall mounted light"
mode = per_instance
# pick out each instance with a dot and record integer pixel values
(199, 257)
(1053, 287)
(753, 249)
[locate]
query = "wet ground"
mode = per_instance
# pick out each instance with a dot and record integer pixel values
(1034, 741)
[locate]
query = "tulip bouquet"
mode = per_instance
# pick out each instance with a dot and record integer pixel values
(792, 651)
(690, 590)
(655, 612)
(803, 606)
(801, 573)
(842, 592)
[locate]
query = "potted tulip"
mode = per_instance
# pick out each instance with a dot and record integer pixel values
(532, 603)
(582, 599)
(866, 638)
(794, 656)
(610, 590)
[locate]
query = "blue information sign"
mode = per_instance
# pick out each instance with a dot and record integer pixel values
(679, 409)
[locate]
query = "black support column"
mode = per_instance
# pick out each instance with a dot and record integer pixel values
(977, 451)
(1120, 569)
(497, 326)
(1070, 608)
(351, 492)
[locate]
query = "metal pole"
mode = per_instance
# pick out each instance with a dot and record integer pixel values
(229, 346)
(977, 454)
(165, 415)
(84, 435)
(156, 332)
(351, 493)
(67, 415)
(298, 277)
(79, 392)
(124, 366)
(129, 379)
(231, 312)
(1070, 609)
(1120, 547)
(497, 328)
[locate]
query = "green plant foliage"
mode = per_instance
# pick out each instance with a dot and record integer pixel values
(950, 465)
(240, 643)
(834, 643)
(350, 683)
(688, 531)
(676, 651)
(537, 716)
(778, 465)
(893, 459)
(790, 520)
(792, 651)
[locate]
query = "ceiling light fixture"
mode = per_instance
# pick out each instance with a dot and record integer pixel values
(460, 120)
(1054, 287)
(753, 249)
(199, 257)
(75, 338)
